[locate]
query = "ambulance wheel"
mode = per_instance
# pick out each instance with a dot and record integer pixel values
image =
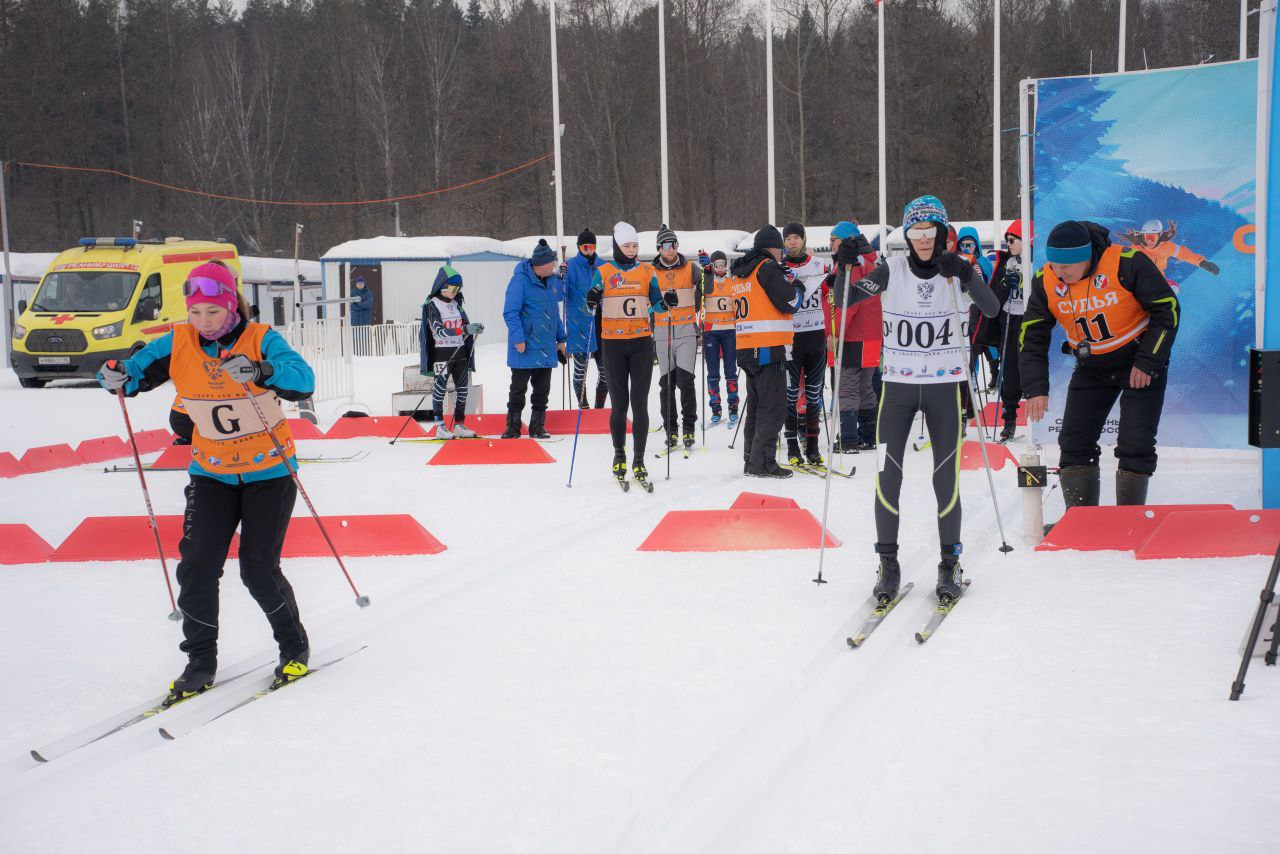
(31, 382)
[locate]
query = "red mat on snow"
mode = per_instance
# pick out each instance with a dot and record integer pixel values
(991, 412)
(561, 422)
(122, 538)
(20, 544)
(486, 425)
(760, 501)
(1213, 533)
(1112, 528)
(103, 449)
(386, 426)
(971, 456)
(735, 531)
(9, 465)
(360, 536)
(112, 538)
(304, 429)
(490, 452)
(173, 458)
(48, 458)
(150, 441)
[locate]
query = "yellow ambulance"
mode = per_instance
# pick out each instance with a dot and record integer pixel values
(106, 299)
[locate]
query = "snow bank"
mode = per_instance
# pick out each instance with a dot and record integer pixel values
(404, 248)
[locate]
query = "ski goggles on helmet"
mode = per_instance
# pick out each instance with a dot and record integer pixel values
(922, 231)
(207, 287)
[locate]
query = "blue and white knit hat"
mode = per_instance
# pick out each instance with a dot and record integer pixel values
(924, 209)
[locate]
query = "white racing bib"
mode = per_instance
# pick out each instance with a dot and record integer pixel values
(1017, 301)
(451, 320)
(810, 274)
(924, 340)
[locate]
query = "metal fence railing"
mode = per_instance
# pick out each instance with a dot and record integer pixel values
(327, 346)
(386, 339)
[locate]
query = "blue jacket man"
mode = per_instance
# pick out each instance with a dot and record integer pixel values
(535, 337)
(582, 323)
(362, 308)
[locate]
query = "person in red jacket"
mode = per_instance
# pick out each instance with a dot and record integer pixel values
(860, 355)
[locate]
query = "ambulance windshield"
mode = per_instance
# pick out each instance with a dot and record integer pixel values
(85, 290)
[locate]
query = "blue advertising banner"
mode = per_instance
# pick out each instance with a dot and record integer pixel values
(1164, 160)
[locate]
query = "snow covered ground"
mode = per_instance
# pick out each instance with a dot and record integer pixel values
(542, 686)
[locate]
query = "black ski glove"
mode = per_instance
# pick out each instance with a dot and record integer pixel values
(953, 266)
(671, 298)
(593, 298)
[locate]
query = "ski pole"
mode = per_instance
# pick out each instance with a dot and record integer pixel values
(362, 601)
(423, 399)
(835, 391)
(574, 454)
(702, 348)
(146, 497)
(982, 441)
(742, 416)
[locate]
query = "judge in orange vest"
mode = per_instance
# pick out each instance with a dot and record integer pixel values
(764, 299)
(1120, 318)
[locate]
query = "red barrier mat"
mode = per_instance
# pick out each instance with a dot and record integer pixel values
(760, 501)
(304, 429)
(386, 426)
(560, 422)
(20, 544)
(1213, 533)
(1090, 529)
(101, 450)
(486, 425)
(123, 538)
(735, 530)
(49, 457)
(971, 456)
(490, 452)
(173, 458)
(360, 536)
(150, 441)
(991, 412)
(9, 465)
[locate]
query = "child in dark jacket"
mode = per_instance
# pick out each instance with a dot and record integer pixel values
(448, 337)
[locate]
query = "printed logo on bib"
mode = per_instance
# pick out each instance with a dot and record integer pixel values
(1100, 281)
(1060, 289)
(925, 290)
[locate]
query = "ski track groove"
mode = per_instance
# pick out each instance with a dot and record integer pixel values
(412, 601)
(743, 767)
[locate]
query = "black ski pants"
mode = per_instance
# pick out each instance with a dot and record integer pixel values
(214, 509)
(899, 403)
(628, 369)
(766, 410)
(521, 379)
(806, 374)
(451, 364)
(1090, 396)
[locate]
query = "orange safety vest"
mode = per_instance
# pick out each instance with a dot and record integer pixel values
(759, 322)
(717, 305)
(1097, 309)
(680, 280)
(624, 308)
(229, 437)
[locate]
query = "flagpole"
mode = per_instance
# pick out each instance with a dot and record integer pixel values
(557, 131)
(995, 135)
(662, 106)
(768, 100)
(1124, 22)
(884, 216)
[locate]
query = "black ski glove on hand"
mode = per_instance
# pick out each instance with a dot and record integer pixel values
(953, 266)
(561, 357)
(473, 328)
(113, 376)
(671, 298)
(593, 298)
(242, 369)
(1210, 267)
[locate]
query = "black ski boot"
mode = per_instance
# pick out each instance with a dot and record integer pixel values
(513, 426)
(1009, 429)
(888, 577)
(793, 453)
(687, 439)
(950, 575)
(1131, 487)
(672, 442)
(195, 679)
(620, 467)
(772, 469)
(812, 455)
(292, 666)
(641, 474)
(537, 422)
